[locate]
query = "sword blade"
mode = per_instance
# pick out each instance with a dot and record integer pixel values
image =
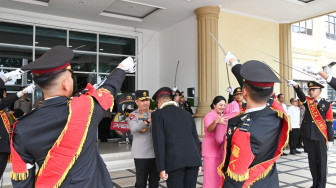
(144, 46)
(275, 71)
(178, 62)
(221, 47)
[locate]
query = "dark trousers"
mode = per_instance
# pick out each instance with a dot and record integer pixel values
(293, 139)
(183, 178)
(146, 170)
(317, 158)
(3, 162)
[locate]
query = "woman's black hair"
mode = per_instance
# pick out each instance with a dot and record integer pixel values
(216, 100)
(1, 92)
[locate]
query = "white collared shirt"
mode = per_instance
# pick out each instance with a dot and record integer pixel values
(254, 109)
(294, 115)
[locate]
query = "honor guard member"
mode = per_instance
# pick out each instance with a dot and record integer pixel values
(139, 122)
(4, 122)
(237, 96)
(60, 137)
(231, 60)
(176, 143)
(256, 138)
(316, 130)
(186, 104)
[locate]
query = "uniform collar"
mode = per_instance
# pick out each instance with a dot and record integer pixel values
(254, 109)
(54, 100)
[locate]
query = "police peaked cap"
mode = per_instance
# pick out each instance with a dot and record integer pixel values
(314, 85)
(238, 90)
(141, 94)
(54, 61)
(161, 91)
(258, 74)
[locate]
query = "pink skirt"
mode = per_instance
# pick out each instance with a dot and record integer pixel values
(211, 179)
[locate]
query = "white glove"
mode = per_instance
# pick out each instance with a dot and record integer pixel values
(330, 145)
(29, 89)
(174, 88)
(229, 56)
(129, 65)
(321, 79)
(311, 70)
(291, 83)
(230, 90)
(13, 75)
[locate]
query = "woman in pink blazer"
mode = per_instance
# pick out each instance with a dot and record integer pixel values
(230, 111)
(211, 151)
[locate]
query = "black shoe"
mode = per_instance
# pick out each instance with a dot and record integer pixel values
(298, 152)
(292, 152)
(284, 154)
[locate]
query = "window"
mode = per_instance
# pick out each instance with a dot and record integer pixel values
(304, 27)
(330, 27)
(331, 94)
(96, 55)
(19, 34)
(47, 37)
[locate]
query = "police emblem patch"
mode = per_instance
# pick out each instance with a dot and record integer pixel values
(235, 151)
(132, 116)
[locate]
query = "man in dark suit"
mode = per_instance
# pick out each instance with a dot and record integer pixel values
(316, 130)
(60, 137)
(176, 143)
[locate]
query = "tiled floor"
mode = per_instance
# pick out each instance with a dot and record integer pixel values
(293, 173)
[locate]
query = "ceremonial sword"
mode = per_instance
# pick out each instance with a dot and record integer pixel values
(178, 62)
(227, 69)
(275, 71)
(274, 59)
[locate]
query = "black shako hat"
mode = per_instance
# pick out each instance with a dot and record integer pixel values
(238, 90)
(257, 74)
(163, 90)
(142, 94)
(54, 61)
(314, 85)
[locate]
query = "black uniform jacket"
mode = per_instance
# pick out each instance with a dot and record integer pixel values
(36, 133)
(175, 139)
(333, 83)
(308, 128)
(188, 107)
(265, 128)
(4, 137)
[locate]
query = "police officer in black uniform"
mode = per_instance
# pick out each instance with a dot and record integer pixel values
(316, 130)
(35, 134)
(185, 103)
